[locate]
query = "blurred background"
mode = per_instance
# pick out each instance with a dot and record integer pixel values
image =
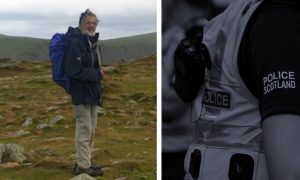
(178, 16)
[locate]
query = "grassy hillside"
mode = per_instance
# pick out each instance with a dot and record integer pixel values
(125, 142)
(115, 50)
(23, 48)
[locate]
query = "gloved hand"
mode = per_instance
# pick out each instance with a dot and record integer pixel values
(190, 64)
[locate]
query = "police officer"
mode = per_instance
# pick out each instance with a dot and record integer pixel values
(248, 103)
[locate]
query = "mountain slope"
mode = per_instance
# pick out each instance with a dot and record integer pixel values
(115, 50)
(125, 141)
(23, 48)
(132, 47)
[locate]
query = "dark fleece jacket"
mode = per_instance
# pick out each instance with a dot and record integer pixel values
(81, 65)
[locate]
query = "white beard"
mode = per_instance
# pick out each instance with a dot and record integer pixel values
(90, 33)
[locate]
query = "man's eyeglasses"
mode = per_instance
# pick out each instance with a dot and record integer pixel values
(91, 23)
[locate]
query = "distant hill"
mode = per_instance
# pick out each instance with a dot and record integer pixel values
(114, 50)
(128, 48)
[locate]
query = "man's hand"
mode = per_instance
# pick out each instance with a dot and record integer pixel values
(101, 70)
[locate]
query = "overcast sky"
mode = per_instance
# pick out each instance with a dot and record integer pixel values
(42, 18)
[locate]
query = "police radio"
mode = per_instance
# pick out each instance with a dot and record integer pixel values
(191, 58)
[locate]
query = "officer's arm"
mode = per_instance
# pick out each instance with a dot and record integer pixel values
(281, 139)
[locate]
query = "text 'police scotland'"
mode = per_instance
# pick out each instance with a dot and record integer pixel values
(279, 80)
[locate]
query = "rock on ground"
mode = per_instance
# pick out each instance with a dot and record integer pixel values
(56, 119)
(12, 153)
(121, 178)
(27, 122)
(83, 177)
(18, 133)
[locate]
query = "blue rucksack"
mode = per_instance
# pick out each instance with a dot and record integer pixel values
(56, 53)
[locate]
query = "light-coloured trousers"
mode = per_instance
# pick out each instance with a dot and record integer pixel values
(86, 123)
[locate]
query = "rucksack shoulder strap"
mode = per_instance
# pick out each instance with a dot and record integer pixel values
(99, 55)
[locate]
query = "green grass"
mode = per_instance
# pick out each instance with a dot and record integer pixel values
(125, 142)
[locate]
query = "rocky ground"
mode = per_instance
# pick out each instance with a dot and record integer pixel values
(36, 115)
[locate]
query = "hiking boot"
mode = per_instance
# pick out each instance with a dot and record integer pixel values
(90, 171)
(92, 166)
(96, 166)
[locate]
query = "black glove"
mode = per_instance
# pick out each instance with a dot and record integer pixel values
(190, 64)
